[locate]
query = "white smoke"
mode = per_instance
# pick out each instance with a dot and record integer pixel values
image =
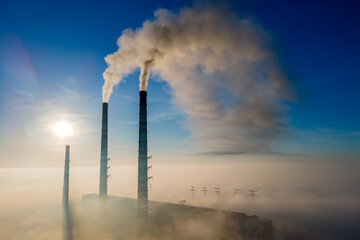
(220, 71)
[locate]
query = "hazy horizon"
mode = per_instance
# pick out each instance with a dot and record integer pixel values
(250, 95)
(300, 198)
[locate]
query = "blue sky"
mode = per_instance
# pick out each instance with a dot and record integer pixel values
(52, 60)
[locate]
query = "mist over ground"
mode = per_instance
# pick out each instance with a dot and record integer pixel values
(235, 92)
(305, 199)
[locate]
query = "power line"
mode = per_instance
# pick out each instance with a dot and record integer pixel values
(192, 189)
(217, 190)
(252, 193)
(204, 191)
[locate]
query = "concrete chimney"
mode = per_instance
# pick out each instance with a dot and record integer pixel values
(142, 201)
(104, 153)
(65, 201)
(67, 229)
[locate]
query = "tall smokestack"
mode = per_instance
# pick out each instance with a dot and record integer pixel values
(67, 230)
(65, 201)
(104, 153)
(142, 204)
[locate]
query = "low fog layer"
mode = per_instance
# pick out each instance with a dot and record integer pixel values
(304, 199)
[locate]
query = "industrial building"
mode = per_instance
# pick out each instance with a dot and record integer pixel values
(123, 217)
(170, 220)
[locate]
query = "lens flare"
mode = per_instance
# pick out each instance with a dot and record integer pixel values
(62, 129)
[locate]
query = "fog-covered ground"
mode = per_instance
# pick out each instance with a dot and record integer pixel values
(305, 199)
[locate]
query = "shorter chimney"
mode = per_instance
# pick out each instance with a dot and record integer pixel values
(66, 178)
(67, 230)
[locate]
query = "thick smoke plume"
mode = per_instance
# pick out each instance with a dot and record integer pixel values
(220, 70)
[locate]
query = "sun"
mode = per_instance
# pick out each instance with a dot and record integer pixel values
(62, 129)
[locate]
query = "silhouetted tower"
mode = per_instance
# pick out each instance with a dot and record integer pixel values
(252, 193)
(142, 202)
(192, 191)
(217, 190)
(67, 231)
(104, 153)
(65, 200)
(204, 191)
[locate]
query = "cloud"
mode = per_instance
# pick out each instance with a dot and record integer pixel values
(220, 71)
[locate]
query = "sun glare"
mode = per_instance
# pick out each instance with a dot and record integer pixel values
(62, 129)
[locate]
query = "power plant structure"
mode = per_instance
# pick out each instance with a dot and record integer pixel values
(67, 229)
(142, 157)
(152, 217)
(65, 200)
(162, 215)
(104, 153)
(142, 200)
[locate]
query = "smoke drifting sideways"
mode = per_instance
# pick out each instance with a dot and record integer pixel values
(221, 72)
